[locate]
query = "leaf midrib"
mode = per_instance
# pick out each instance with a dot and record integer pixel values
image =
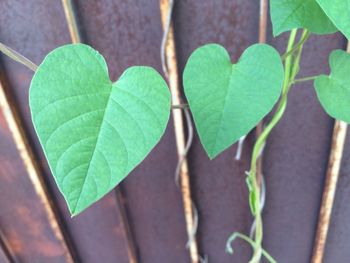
(233, 66)
(94, 150)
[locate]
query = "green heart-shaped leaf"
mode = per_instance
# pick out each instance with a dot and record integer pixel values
(339, 12)
(291, 14)
(93, 131)
(227, 100)
(333, 91)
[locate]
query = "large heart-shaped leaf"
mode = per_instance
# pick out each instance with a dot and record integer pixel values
(290, 14)
(333, 91)
(93, 131)
(228, 100)
(339, 12)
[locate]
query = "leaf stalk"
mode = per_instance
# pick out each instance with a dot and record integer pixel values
(17, 57)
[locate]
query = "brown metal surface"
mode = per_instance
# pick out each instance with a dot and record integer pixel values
(24, 222)
(15, 125)
(129, 32)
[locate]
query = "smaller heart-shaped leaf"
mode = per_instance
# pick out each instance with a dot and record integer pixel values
(339, 12)
(228, 100)
(291, 14)
(333, 91)
(94, 132)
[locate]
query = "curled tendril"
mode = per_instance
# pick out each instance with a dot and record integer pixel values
(236, 235)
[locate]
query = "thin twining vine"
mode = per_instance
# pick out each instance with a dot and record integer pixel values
(292, 59)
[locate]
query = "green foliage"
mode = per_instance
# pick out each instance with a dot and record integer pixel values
(93, 131)
(228, 100)
(339, 12)
(333, 91)
(291, 14)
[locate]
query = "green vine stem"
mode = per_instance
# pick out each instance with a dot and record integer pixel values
(303, 39)
(292, 61)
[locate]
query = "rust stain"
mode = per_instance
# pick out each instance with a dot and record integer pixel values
(19, 136)
(5, 168)
(48, 249)
(34, 227)
(41, 245)
(15, 242)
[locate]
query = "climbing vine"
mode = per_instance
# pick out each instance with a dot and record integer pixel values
(319, 17)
